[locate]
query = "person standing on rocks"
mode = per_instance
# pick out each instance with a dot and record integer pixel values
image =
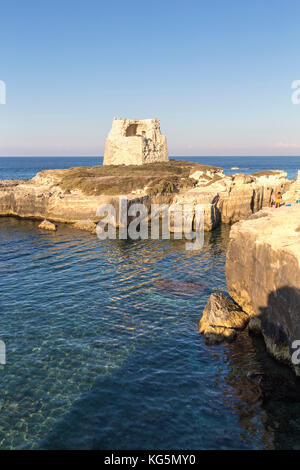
(278, 200)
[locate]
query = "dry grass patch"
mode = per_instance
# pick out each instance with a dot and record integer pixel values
(159, 178)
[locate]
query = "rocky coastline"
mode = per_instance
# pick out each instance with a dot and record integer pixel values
(263, 279)
(73, 196)
(263, 256)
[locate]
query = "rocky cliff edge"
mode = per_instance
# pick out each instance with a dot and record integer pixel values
(263, 276)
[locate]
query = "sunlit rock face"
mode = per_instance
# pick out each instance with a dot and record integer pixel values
(47, 225)
(230, 198)
(221, 319)
(293, 194)
(134, 142)
(75, 194)
(263, 276)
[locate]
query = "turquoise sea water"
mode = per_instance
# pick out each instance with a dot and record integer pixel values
(103, 350)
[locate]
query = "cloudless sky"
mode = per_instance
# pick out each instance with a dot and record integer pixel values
(217, 73)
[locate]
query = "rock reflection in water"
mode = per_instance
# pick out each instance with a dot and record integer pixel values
(264, 394)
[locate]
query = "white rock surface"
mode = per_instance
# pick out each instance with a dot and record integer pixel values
(293, 195)
(134, 142)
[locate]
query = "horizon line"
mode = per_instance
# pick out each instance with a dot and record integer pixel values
(171, 156)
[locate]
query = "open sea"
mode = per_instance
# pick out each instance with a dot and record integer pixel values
(102, 342)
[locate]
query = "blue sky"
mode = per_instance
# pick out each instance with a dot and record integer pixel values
(217, 73)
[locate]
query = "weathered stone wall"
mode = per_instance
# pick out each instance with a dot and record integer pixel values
(134, 142)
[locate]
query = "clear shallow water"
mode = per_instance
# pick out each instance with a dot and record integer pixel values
(103, 349)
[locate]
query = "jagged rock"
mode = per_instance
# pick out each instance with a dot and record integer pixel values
(225, 199)
(87, 225)
(42, 197)
(293, 193)
(205, 176)
(207, 198)
(242, 178)
(263, 277)
(237, 203)
(47, 225)
(228, 199)
(250, 193)
(270, 177)
(221, 319)
(133, 142)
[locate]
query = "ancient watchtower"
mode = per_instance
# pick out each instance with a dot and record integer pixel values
(133, 142)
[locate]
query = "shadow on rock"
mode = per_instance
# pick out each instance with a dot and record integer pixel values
(279, 324)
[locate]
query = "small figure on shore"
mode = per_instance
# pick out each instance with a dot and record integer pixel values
(272, 200)
(278, 200)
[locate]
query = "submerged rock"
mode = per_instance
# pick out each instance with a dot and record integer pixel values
(47, 225)
(221, 319)
(180, 287)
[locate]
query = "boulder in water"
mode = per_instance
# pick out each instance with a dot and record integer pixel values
(221, 319)
(47, 225)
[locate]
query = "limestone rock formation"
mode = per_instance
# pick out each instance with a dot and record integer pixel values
(263, 276)
(221, 319)
(47, 225)
(228, 199)
(43, 198)
(134, 142)
(293, 194)
(74, 195)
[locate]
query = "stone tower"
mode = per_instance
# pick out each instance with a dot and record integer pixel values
(133, 142)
